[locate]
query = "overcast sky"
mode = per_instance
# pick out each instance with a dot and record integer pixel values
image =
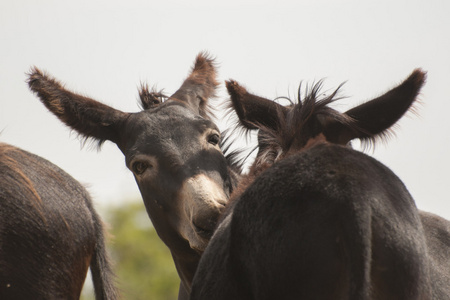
(104, 49)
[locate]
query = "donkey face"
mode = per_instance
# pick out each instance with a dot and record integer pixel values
(172, 148)
(175, 157)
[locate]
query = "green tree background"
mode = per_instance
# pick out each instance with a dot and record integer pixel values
(142, 262)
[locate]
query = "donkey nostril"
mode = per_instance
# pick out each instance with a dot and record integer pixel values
(205, 228)
(205, 233)
(222, 204)
(205, 222)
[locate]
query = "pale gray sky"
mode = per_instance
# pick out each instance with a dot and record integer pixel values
(104, 49)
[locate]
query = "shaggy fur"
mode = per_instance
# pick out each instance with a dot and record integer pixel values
(49, 232)
(315, 219)
(173, 149)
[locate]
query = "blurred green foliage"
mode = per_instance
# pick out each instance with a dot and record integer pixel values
(143, 264)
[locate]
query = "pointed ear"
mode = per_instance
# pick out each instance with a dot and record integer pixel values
(88, 117)
(200, 85)
(253, 110)
(374, 118)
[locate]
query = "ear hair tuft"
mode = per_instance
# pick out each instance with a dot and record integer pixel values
(150, 98)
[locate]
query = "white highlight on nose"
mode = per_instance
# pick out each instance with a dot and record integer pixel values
(205, 190)
(203, 200)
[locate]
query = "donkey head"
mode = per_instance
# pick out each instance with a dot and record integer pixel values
(172, 148)
(285, 130)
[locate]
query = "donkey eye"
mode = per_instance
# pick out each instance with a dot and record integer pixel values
(139, 167)
(214, 139)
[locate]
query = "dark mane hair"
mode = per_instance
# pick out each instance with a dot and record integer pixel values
(150, 97)
(297, 122)
(235, 157)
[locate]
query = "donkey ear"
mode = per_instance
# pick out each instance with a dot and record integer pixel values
(253, 111)
(374, 118)
(200, 85)
(88, 117)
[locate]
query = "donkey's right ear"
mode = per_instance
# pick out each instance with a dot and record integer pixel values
(88, 117)
(253, 111)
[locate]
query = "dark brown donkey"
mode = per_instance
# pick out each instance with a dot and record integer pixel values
(173, 149)
(315, 219)
(49, 232)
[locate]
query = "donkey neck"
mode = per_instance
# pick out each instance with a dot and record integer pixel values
(186, 266)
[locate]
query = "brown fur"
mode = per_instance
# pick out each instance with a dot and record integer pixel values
(315, 219)
(150, 98)
(178, 135)
(22, 180)
(49, 232)
(200, 85)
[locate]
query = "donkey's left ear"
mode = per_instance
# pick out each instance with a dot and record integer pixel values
(253, 111)
(374, 118)
(200, 85)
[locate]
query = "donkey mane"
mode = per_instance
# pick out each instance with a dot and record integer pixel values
(150, 97)
(299, 117)
(291, 119)
(235, 157)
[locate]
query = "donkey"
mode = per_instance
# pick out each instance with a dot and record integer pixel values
(315, 219)
(173, 149)
(49, 232)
